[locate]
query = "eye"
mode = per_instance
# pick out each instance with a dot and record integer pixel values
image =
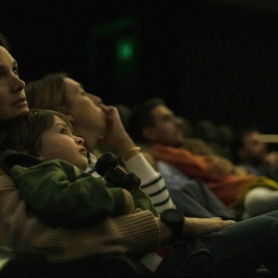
(15, 70)
(166, 118)
(2, 77)
(76, 134)
(63, 131)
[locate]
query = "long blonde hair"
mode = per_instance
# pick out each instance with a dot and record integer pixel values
(48, 92)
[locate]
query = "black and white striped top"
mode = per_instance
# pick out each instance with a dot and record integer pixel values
(152, 182)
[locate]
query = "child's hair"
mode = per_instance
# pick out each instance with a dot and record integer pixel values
(23, 132)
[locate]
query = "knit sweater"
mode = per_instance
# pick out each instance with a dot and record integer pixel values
(62, 195)
(25, 233)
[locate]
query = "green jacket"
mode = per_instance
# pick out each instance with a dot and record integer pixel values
(62, 195)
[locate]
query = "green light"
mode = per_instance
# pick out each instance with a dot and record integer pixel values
(125, 49)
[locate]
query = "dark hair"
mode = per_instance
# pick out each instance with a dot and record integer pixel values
(140, 117)
(23, 132)
(238, 141)
(47, 93)
(4, 42)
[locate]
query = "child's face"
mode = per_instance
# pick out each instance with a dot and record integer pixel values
(59, 143)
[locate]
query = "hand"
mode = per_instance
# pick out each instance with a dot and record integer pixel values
(129, 203)
(116, 136)
(193, 227)
(203, 226)
(271, 159)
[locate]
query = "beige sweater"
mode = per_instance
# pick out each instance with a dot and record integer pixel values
(26, 234)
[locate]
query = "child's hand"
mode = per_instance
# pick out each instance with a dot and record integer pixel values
(129, 203)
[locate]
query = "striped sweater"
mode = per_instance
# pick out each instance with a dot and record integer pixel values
(152, 182)
(154, 186)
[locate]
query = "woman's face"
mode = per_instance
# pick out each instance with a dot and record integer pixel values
(12, 95)
(83, 109)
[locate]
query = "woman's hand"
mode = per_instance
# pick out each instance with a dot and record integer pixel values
(116, 136)
(203, 226)
(194, 227)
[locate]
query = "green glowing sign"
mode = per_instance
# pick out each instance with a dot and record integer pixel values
(124, 49)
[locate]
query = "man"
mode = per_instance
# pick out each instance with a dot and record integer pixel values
(252, 153)
(152, 122)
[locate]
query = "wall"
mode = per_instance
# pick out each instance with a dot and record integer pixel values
(206, 59)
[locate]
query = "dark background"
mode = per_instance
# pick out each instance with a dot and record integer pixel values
(208, 59)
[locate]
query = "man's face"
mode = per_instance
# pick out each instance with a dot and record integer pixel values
(167, 129)
(253, 149)
(12, 95)
(84, 108)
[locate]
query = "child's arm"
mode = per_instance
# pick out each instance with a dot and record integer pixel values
(54, 193)
(25, 233)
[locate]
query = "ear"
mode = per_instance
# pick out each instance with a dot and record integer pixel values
(149, 133)
(66, 111)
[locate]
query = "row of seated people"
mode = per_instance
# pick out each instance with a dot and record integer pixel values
(243, 146)
(217, 138)
(248, 191)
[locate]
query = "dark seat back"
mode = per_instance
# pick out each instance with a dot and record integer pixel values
(115, 266)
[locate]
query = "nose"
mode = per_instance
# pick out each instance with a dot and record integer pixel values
(178, 120)
(18, 85)
(79, 140)
(97, 100)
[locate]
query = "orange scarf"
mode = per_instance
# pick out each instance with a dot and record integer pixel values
(195, 166)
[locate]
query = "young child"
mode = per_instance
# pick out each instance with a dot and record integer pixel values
(46, 162)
